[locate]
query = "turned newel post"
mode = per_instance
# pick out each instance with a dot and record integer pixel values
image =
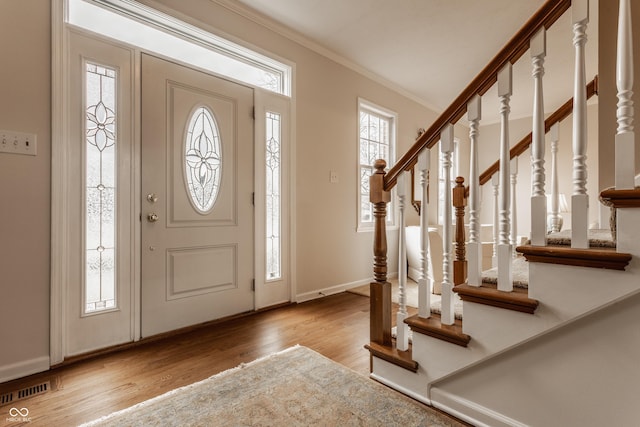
(380, 315)
(459, 203)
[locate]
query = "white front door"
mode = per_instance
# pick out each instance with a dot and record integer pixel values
(197, 180)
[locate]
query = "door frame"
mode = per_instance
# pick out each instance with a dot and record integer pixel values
(62, 178)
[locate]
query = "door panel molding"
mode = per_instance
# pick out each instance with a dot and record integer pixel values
(181, 210)
(180, 261)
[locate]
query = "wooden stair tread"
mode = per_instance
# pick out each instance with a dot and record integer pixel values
(622, 198)
(564, 255)
(488, 294)
(392, 355)
(433, 327)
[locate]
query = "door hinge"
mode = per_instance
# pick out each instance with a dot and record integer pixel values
(253, 284)
(140, 216)
(253, 112)
(253, 198)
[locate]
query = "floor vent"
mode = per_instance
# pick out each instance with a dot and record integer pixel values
(33, 390)
(24, 393)
(6, 398)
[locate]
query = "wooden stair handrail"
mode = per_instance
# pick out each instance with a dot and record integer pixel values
(559, 115)
(511, 52)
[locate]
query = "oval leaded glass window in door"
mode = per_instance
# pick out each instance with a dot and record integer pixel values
(203, 160)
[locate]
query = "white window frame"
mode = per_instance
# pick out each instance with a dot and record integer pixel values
(163, 34)
(392, 117)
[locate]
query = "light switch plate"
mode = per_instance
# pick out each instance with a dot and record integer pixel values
(18, 142)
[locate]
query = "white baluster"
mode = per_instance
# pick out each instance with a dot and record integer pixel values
(514, 205)
(580, 199)
(554, 218)
(474, 247)
(402, 339)
(538, 46)
(424, 283)
(625, 137)
(446, 147)
(505, 89)
(495, 184)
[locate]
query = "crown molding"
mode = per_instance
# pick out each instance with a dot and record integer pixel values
(288, 33)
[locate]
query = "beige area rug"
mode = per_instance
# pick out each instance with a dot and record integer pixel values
(295, 387)
(412, 296)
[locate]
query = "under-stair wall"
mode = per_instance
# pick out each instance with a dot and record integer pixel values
(585, 374)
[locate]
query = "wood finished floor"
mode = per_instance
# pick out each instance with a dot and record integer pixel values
(336, 326)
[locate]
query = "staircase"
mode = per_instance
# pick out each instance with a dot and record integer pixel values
(550, 336)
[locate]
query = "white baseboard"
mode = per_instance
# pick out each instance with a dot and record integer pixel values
(308, 296)
(470, 412)
(23, 369)
(401, 389)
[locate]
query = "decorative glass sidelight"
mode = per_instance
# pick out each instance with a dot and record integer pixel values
(100, 192)
(203, 160)
(272, 192)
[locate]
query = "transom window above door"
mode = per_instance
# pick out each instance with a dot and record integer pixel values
(153, 31)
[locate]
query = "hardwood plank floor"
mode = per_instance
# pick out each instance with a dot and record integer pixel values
(336, 326)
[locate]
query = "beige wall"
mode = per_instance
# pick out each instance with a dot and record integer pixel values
(25, 181)
(584, 374)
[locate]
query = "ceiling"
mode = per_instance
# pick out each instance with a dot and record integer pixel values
(429, 49)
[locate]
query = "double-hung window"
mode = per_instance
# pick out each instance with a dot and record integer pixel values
(376, 140)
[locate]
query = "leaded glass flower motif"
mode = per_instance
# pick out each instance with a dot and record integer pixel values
(203, 159)
(101, 126)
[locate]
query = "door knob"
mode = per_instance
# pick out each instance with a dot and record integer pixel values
(152, 217)
(152, 198)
